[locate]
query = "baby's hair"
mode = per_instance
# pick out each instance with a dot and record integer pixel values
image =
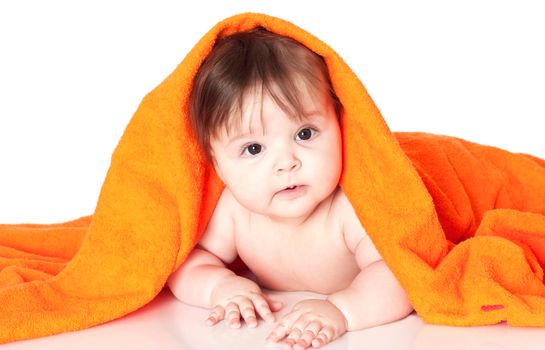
(256, 59)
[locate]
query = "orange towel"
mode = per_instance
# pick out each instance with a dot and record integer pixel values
(461, 225)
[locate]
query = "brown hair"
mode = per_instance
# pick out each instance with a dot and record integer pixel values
(243, 61)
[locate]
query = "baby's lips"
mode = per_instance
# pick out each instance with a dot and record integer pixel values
(287, 186)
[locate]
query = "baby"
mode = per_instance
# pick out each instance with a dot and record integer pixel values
(263, 109)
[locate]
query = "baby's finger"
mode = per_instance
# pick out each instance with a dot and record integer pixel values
(248, 313)
(309, 333)
(262, 307)
(293, 336)
(217, 314)
(278, 333)
(274, 304)
(325, 335)
(283, 328)
(296, 332)
(233, 315)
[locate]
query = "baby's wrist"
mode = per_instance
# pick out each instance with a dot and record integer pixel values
(221, 276)
(231, 286)
(339, 302)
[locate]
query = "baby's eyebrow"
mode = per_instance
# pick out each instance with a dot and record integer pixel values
(238, 136)
(312, 113)
(313, 116)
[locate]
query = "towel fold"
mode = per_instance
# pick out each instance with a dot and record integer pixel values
(461, 225)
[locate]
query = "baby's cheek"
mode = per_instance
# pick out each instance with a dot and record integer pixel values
(330, 172)
(253, 199)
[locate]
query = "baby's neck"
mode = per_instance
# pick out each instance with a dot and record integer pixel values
(284, 224)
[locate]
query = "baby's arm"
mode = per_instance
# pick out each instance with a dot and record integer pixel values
(374, 297)
(204, 280)
(197, 277)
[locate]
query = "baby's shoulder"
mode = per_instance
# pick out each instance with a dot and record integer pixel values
(339, 210)
(228, 207)
(356, 238)
(218, 237)
(352, 228)
(341, 206)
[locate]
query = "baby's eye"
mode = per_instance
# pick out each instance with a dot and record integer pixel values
(305, 134)
(251, 150)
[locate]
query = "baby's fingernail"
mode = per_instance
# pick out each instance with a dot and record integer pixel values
(278, 305)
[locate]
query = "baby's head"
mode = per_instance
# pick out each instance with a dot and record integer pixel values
(263, 109)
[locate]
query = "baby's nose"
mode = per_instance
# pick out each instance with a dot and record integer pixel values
(287, 165)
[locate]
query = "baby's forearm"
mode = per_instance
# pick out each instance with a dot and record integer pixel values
(374, 298)
(197, 277)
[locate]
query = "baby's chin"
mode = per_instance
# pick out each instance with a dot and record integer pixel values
(289, 213)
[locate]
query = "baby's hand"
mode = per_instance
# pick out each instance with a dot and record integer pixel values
(311, 322)
(238, 295)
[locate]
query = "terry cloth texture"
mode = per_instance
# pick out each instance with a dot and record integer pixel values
(461, 225)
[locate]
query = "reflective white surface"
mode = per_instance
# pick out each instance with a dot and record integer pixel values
(166, 323)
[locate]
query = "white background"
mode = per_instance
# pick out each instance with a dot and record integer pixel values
(72, 73)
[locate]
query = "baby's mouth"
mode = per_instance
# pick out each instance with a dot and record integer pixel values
(291, 192)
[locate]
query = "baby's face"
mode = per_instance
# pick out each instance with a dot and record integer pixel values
(278, 166)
